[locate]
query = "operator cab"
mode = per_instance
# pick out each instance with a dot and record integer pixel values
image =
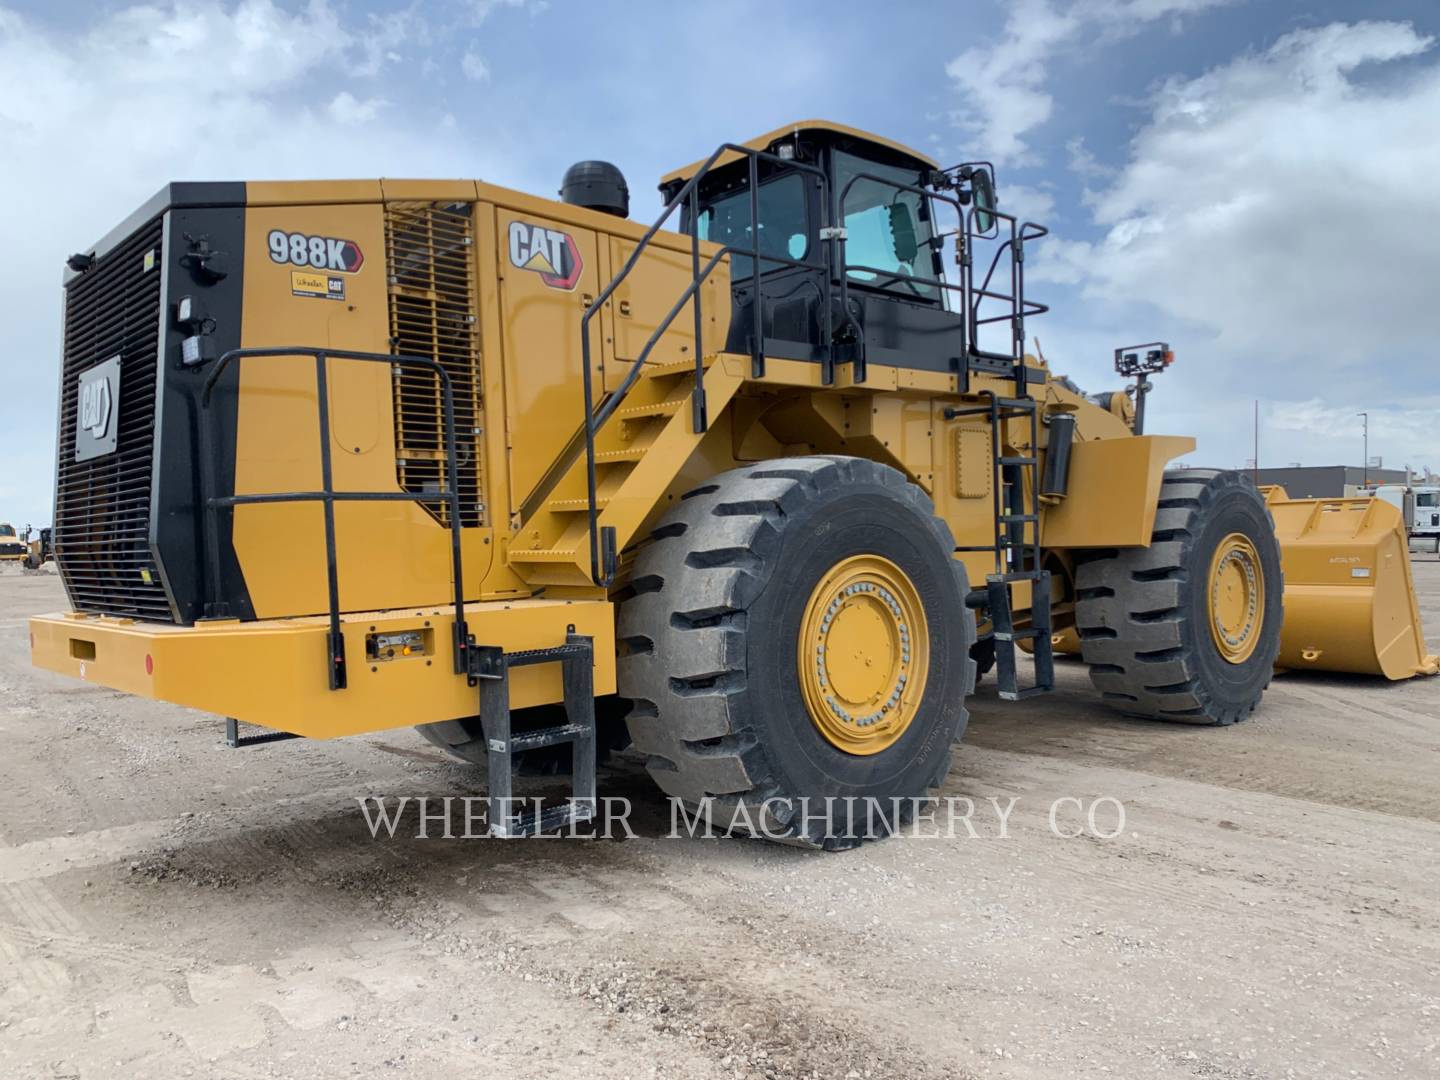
(888, 297)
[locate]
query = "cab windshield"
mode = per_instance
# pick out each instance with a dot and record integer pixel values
(887, 231)
(7, 530)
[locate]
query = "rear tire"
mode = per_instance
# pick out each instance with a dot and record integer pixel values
(710, 645)
(1144, 615)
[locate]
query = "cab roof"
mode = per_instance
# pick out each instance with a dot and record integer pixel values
(764, 142)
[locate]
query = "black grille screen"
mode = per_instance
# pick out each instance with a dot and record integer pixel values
(102, 506)
(432, 314)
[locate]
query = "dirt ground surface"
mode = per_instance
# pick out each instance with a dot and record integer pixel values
(173, 908)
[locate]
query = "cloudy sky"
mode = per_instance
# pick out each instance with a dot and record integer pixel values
(1253, 180)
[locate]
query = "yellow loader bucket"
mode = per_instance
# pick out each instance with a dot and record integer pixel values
(1065, 642)
(1350, 600)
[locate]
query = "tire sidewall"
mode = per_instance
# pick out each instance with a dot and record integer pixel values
(859, 518)
(1236, 508)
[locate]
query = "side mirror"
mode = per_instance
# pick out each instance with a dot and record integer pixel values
(902, 229)
(983, 186)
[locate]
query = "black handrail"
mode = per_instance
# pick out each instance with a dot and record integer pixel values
(602, 562)
(971, 296)
(601, 569)
(328, 497)
(1020, 307)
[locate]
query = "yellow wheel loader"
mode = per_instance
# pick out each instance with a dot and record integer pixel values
(37, 548)
(12, 547)
(757, 493)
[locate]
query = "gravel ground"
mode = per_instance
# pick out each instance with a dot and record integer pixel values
(172, 908)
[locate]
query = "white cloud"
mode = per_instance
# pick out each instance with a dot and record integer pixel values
(1003, 87)
(1274, 221)
(473, 66)
(1409, 432)
(346, 108)
(94, 121)
(1083, 163)
(480, 10)
(1028, 203)
(1285, 204)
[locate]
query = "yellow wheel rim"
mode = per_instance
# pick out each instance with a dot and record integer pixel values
(1236, 597)
(864, 654)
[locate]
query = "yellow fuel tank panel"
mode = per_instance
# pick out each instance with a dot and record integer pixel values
(1350, 600)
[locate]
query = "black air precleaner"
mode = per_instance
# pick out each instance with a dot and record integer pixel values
(596, 185)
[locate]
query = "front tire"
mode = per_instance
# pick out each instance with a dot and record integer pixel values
(1187, 629)
(717, 646)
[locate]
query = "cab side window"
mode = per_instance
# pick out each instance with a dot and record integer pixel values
(784, 226)
(887, 229)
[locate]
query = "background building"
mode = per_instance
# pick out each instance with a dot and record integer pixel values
(1327, 481)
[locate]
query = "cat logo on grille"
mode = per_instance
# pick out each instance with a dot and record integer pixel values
(549, 252)
(97, 395)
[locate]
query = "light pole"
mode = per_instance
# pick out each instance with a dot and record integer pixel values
(1365, 465)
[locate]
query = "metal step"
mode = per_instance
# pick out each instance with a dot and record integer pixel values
(997, 587)
(543, 555)
(1019, 635)
(569, 651)
(570, 506)
(657, 410)
(550, 736)
(675, 367)
(490, 670)
(1024, 693)
(234, 739)
(549, 819)
(630, 453)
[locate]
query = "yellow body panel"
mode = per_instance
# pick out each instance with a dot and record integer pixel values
(391, 554)
(1114, 487)
(274, 672)
(543, 403)
(1349, 594)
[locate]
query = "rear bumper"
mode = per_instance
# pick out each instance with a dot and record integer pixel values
(275, 672)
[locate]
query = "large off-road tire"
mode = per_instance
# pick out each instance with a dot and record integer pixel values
(725, 588)
(1147, 617)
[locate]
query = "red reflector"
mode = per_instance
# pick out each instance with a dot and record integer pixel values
(149, 664)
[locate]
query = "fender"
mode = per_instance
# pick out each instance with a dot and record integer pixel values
(1117, 485)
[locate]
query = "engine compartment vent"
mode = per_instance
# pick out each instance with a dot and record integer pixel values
(429, 249)
(102, 503)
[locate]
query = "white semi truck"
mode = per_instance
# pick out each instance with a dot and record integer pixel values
(1420, 507)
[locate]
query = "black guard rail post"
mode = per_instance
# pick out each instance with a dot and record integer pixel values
(327, 496)
(602, 559)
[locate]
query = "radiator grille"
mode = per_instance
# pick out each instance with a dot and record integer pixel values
(102, 506)
(430, 248)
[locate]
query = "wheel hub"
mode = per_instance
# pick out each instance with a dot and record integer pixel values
(863, 654)
(1236, 598)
